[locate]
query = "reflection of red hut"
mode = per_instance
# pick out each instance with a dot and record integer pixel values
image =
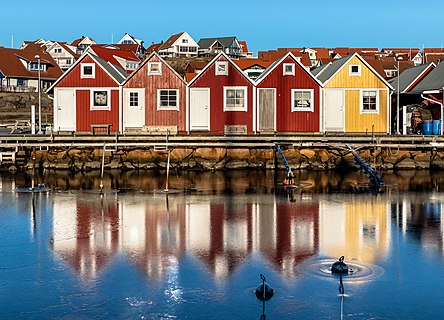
(295, 234)
(153, 236)
(84, 236)
(228, 240)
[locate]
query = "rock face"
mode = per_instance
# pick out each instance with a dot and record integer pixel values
(17, 106)
(89, 159)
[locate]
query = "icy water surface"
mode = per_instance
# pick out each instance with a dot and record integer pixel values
(72, 253)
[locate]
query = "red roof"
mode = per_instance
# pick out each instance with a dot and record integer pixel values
(154, 47)
(433, 50)
(110, 54)
(243, 45)
(11, 65)
(167, 44)
(190, 76)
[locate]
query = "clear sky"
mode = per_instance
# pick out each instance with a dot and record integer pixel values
(263, 24)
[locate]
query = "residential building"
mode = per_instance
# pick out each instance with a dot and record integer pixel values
(179, 45)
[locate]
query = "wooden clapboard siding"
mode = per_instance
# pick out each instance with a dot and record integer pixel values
(73, 79)
(266, 101)
(367, 79)
(286, 120)
(152, 83)
(235, 78)
(355, 121)
(85, 116)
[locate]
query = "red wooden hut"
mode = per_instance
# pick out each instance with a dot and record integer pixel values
(221, 99)
(288, 98)
(87, 96)
(154, 98)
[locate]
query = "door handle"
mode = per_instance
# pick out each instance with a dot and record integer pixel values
(59, 108)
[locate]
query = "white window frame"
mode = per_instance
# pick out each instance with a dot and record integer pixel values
(355, 74)
(242, 109)
(87, 76)
(361, 101)
(294, 108)
(106, 107)
(221, 72)
(171, 108)
(154, 72)
(291, 72)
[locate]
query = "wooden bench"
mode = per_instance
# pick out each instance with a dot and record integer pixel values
(101, 126)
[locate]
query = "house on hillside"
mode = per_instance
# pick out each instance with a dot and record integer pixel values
(288, 98)
(221, 99)
(212, 46)
(356, 98)
(408, 100)
(244, 49)
(88, 95)
(63, 54)
(19, 69)
(179, 45)
(154, 98)
(253, 68)
(82, 44)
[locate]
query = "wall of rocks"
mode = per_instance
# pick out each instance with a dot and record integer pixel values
(88, 159)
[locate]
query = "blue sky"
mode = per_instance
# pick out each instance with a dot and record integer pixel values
(263, 24)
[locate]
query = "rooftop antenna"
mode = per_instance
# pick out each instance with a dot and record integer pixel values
(112, 38)
(12, 41)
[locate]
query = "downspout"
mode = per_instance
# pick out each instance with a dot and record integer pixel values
(120, 108)
(390, 114)
(434, 101)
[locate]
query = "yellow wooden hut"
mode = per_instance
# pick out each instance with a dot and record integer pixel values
(356, 99)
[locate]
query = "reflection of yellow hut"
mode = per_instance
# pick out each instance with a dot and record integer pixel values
(357, 229)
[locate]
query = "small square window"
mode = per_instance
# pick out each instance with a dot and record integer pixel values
(167, 99)
(221, 68)
(288, 69)
(87, 70)
(369, 101)
(235, 99)
(302, 100)
(355, 70)
(154, 68)
(100, 99)
(134, 99)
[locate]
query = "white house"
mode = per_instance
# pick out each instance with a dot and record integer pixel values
(179, 45)
(63, 54)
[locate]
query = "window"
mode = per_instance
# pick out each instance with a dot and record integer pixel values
(100, 99)
(355, 70)
(154, 68)
(184, 40)
(167, 99)
(21, 82)
(127, 42)
(88, 70)
(58, 50)
(221, 68)
(288, 69)
(134, 99)
(369, 101)
(131, 65)
(302, 100)
(235, 98)
(34, 66)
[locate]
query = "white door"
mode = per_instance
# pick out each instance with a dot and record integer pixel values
(199, 109)
(267, 109)
(334, 110)
(65, 115)
(133, 108)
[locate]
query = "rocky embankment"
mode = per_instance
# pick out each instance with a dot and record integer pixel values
(88, 159)
(17, 106)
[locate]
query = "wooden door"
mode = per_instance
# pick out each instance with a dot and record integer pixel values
(334, 110)
(133, 108)
(267, 110)
(200, 109)
(66, 110)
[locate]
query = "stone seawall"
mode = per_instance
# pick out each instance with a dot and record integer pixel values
(88, 159)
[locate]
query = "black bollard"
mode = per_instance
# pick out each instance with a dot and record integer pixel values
(339, 266)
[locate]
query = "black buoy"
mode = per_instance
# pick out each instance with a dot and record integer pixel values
(264, 291)
(339, 266)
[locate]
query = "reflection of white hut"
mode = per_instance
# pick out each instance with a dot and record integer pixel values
(84, 233)
(358, 228)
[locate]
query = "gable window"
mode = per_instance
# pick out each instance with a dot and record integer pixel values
(184, 40)
(58, 50)
(288, 69)
(131, 65)
(154, 68)
(87, 70)
(168, 99)
(302, 100)
(235, 98)
(100, 99)
(369, 101)
(355, 70)
(134, 99)
(221, 68)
